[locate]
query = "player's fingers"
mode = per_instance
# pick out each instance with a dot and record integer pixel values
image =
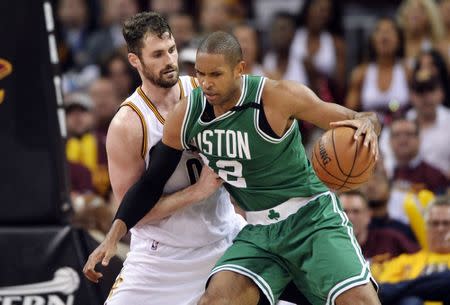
(360, 131)
(93, 259)
(351, 123)
(89, 271)
(368, 139)
(94, 276)
(375, 149)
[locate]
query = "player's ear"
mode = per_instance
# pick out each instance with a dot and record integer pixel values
(134, 60)
(239, 68)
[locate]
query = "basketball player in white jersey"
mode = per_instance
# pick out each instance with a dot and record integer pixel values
(174, 247)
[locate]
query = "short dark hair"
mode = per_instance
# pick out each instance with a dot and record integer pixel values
(423, 81)
(357, 193)
(138, 26)
(222, 43)
(441, 66)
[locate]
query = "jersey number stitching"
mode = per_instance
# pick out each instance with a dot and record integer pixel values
(231, 172)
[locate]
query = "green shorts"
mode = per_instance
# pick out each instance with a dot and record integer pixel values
(314, 247)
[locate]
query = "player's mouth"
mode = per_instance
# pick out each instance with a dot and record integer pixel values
(211, 97)
(169, 71)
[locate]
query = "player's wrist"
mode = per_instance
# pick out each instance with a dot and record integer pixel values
(117, 231)
(197, 194)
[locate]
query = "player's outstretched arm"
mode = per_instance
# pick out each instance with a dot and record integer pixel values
(297, 101)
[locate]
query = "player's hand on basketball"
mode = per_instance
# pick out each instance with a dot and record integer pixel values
(103, 254)
(364, 127)
(208, 183)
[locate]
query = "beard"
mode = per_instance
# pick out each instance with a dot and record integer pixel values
(160, 79)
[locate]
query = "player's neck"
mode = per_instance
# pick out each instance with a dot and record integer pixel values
(163, 98)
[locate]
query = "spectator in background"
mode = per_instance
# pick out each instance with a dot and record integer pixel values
(106, 103)
(187, 61)
(79, 122)
(379, 195)
(424, 276)
(444, 46)
(421, 25)
(74, 27)
(279, 61)
(214, 16)
(433, 62)
(411, 172)
(427, 97)
(79, 117)
(376, 244)
(318, 44)
(247, 37)
(183, 28)
(381, 85)
(117, 68)
(109, 38)
(166, 7)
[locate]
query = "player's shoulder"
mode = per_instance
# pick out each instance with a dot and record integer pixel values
(126, 119)
(279, 87)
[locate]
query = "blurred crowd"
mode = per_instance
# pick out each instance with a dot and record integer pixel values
(392, 59)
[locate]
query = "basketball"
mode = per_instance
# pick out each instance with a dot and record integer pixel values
(340, 161)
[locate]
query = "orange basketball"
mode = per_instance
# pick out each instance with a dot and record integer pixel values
(340, 161)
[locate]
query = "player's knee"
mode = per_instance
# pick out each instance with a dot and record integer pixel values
(359, 295)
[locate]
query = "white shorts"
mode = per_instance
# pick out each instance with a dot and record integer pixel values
(157, 274)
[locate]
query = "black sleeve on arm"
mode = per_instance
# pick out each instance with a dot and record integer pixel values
(145, 193)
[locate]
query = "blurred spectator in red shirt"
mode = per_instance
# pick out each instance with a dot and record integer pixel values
(79, 122)
(106, 103)
(411, 172)
(378, 192)
(376, 244)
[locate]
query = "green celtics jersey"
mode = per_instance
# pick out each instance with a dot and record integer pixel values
(261, 171)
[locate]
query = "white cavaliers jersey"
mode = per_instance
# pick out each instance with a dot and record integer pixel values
(199, 224)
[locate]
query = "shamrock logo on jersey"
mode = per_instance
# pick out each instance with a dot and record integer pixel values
(274, 214)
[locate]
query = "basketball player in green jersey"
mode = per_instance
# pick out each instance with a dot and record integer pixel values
(245, 128)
